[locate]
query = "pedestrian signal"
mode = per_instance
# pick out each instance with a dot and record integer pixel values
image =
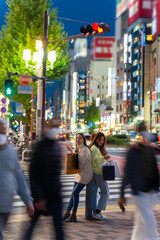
(8, 88)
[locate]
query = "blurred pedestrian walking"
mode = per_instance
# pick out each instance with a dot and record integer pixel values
(11, 179)
(99, 156)
(141, 173)
(82, 178)
(44, 173)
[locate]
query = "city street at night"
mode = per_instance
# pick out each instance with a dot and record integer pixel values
(79, 120)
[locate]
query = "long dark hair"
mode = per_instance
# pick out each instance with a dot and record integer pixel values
(95, 141)
(84, 138)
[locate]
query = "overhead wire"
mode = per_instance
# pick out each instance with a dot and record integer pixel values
(73, 20)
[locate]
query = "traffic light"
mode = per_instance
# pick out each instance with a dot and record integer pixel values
(96, 28)
(8, 87)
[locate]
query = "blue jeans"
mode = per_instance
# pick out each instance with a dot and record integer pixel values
(74, 200)
(104, 193)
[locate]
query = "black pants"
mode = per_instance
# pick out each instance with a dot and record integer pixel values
(55, 210)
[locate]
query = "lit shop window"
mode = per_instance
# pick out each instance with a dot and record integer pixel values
(117, 84)
(137, 27)
(121, 83)
(136, 50)
(135, 62)
(135, 40)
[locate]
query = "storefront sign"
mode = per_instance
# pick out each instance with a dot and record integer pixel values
(102, 47)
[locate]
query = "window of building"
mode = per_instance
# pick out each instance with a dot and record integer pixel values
(135, 62)
(81, 111)
(120, 95)
(102, 86)
(102, 96)
(135, 85)
(121, 58)
(117, 108)
(97, 95)
(106, 86)
(117, 96)
(98, 86)
(117, 84)
(120, 107)
(121, 71)
(137, 27)
(117, 72)
(135, 40)
(121, 83)
(136, 50)
(102, 77)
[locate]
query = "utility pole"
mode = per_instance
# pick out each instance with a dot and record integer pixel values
(45, 43)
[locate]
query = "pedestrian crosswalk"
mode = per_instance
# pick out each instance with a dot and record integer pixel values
(67, 186)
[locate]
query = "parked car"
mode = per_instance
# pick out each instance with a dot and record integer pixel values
(61, 136)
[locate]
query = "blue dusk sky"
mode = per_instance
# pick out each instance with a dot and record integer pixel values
(88, 11)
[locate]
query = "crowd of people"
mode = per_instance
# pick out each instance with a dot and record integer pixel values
(45, 198)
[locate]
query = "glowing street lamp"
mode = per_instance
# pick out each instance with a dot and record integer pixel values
(52, 57)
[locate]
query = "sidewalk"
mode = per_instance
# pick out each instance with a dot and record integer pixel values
(118, 226)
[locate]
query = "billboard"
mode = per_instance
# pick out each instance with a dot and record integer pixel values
(80, 48)
(121, 7)
(139, 9)
(102, 48)
(156, 19)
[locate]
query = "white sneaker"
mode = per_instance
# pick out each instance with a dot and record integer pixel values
(98, 216)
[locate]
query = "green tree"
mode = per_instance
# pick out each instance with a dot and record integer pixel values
(24, 21)
(93, 113)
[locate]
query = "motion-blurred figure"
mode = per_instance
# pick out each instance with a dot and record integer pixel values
(11, 179)
(45, 183)
(142, 174)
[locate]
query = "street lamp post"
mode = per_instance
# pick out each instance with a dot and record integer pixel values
(37, 57)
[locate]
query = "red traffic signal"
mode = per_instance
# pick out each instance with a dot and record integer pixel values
(100, 27)
(96, 28)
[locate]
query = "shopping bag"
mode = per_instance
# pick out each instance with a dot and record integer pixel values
(116, 168)
(70, 164)
(108, 172)
(76, 162)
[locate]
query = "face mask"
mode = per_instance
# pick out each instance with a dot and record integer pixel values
(3, 139)
(52, 133)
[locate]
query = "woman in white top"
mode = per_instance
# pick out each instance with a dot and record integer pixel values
(82, 178)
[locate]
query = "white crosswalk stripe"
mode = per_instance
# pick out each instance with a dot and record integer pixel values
(67, 186)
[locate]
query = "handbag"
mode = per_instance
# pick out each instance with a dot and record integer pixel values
(70, 164)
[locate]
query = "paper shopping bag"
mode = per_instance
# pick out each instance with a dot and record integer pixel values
(70, 161)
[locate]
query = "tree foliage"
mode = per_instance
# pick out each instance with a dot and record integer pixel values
(93, 113)
(24, 21)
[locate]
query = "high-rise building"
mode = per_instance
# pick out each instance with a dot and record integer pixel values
(133, 35)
